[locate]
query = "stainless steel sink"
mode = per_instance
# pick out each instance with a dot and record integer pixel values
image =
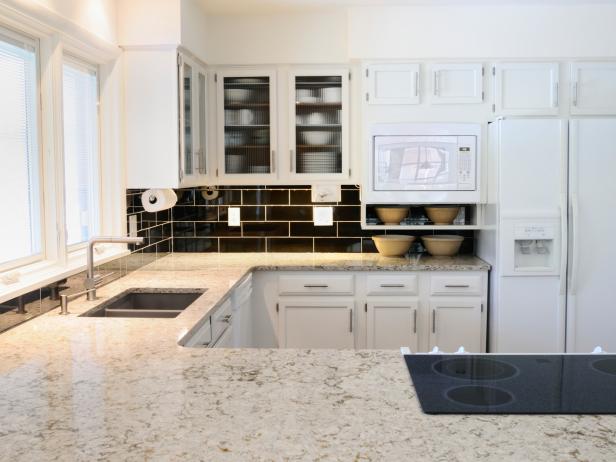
(146, 303)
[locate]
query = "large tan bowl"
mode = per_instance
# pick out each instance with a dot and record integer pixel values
(393, 245)
(442, 245)
(442, 215)
(392, 215)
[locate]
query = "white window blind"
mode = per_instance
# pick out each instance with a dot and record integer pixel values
(20, 200)
(81, 151)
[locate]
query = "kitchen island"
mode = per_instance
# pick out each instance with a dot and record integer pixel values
(80, 388)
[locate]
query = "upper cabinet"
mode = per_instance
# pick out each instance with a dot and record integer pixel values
(526, 88)
(593, 88)
(246, 121)
(319, 124)
(393, 83)
(457, 83)
(165, 102)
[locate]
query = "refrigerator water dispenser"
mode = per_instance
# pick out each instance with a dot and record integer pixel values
(532, 248)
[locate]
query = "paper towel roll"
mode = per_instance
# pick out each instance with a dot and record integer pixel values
(155, 200)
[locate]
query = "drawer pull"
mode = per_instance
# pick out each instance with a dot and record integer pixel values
(414, 321)
(226, 318)
(457, 286)
(316, 286)
(351, 320)
(388, 286)
(433, 321)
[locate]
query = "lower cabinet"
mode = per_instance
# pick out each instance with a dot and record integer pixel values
(456, 322)
(391, 324)
(316, 323)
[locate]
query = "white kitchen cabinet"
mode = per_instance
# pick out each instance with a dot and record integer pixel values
(316, 323)
(246, 125)
(593, 88)
(457, 83)
(392, 323)
(526, 88)
(165, 100)
(456, 322)
(392, 83)
(318, 126)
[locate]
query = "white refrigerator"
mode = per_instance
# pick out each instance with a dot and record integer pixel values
(550, 235)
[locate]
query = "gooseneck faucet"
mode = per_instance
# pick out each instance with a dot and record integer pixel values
(90, 282)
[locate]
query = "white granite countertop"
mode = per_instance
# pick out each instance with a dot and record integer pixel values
(74, 388)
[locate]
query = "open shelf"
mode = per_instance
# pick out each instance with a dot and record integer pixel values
(469, 218)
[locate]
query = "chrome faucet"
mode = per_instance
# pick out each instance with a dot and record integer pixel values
(91, 281)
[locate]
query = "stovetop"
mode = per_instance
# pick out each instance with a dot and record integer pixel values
(514, 384)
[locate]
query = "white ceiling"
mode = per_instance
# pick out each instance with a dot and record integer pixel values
(270, 6)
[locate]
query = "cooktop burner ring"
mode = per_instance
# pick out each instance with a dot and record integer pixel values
(475, 368)
(479, 396)
(605, 366)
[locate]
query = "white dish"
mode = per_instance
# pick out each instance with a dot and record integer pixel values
(316, 118)
(237, 95)
(331, 94)
(308, 99)
(316, 137)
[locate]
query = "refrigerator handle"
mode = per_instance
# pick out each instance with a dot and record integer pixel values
(564, 239)
(574, 245)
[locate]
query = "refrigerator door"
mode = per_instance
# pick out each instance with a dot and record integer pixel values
(528, 314)
(591, 297)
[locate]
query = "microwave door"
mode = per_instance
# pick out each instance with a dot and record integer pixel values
(411, 164)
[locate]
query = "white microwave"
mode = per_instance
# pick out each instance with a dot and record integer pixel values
(424, 163)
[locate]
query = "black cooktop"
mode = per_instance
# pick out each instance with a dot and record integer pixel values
(514, 384)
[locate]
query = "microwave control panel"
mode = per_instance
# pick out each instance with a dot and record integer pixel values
(466, 162)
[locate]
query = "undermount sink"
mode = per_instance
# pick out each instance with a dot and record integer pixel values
(146, 303)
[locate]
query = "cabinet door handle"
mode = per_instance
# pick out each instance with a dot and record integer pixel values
(414, 321)
(555, 94)
(291, 160)
(273, 161)
(435, 83)
(351, 320)
(433, 321)
(392, 285)
(457, 286)
(416, 83)
(317, 286)
(575, 93)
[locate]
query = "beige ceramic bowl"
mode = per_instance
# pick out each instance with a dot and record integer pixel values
(442, 215)
(442, 245)
(393, 245)
(392, 215)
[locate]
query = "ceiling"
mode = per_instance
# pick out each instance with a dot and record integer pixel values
(272, 6)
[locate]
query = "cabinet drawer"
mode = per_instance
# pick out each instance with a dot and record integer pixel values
(455, 285)
(221, 319)
(319, 284)
(394, 284)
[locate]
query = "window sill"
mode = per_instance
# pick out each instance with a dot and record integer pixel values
(39, 274)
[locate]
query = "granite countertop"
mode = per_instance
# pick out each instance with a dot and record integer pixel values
(75, 388)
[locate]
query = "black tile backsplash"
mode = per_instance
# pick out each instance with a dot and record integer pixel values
(273, 219)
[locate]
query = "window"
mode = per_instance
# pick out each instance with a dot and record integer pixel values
(20, 199)
(81, 150)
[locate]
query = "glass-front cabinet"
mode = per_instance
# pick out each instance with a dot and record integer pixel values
(318, 128)
(246, 124)
(192, 83)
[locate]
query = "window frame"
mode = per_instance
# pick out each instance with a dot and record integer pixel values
(20, 38)
(88, 66)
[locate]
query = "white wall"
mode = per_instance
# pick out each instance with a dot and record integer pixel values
(149, 22)
(504, 31)
(95, 16)
(445, 31)
(193, 28)
(304, 37)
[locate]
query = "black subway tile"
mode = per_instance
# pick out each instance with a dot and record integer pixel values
(349, 197)
(307, 229)
(265, 229)
(244, 244)
(195, 244)
(323, 244)
(183, 229)
(265, 197)
(289, 244)
(216, 229)
(367, 245)
(290, 213)
(301, 197)
(347, 213)
(353, 229)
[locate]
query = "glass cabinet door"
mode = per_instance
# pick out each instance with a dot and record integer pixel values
(187, 118)
(247, 119)
(318, 131)
(200, 157)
